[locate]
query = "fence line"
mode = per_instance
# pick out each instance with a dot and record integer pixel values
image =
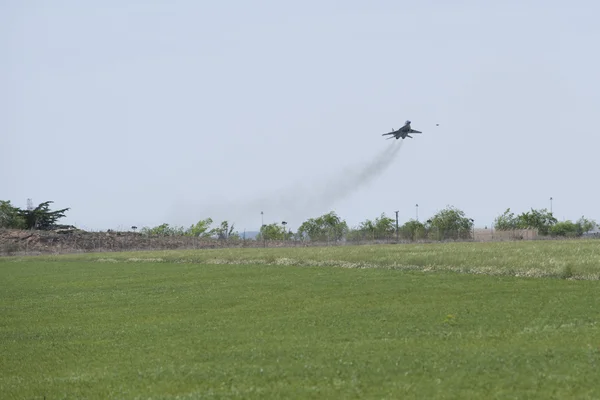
(12, 241)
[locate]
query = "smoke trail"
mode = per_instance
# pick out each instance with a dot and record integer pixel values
(303, 201)
(355, 178)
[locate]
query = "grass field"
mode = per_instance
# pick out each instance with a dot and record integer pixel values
(463, 320)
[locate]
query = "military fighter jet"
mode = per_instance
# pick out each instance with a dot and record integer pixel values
(402, 132)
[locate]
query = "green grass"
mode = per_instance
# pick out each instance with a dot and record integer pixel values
(122, 325)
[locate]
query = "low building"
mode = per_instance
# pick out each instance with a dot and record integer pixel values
(593, 233)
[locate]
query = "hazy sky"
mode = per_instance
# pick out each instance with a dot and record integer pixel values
(144, 112)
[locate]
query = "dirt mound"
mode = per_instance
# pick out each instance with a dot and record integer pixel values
(69, 240)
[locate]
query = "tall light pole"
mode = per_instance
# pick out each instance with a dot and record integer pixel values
(396, 226)
(417, 206)
(473, 222)
(262, 231)
(550, 205)
(284, 232)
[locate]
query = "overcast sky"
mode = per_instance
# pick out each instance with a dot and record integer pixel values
(144, 112)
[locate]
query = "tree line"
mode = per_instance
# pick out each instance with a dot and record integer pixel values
(449, 223)
(544, 222)
(200, 229)
(40, 217)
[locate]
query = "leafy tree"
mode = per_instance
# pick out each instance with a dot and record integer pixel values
(272, 232)
(201, 228)
(565, 228)
(326, 227)
(451, 223)
(224, 231)
(334, 226)
(572, 229)
(413, 230)
(41, 217)
(385, 227)
(10, 217)
(507, 221)
(164, 230)
(586, 224)
(542, 220)
(381, 227)
(367, 228)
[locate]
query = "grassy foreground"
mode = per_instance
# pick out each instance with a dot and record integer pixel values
(183, 325)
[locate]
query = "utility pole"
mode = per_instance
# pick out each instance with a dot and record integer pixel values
(550, 205)
(417, 212)
(396, 226)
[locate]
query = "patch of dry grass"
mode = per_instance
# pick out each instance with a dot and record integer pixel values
(566, 259)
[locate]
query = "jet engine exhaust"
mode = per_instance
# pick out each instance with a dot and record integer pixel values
(301, 201)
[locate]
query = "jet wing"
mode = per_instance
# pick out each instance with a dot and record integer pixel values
(414, 131)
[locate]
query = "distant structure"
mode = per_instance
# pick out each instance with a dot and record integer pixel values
(29, 204)
(594, 233)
